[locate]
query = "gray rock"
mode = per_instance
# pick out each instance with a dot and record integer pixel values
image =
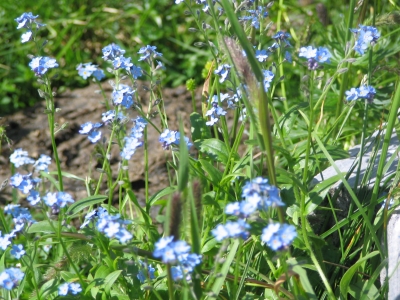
(347, 164)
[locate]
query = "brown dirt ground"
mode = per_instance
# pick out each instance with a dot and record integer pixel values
(28, 130)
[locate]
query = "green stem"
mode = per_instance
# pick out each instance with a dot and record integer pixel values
(343, 86)
(303, 195)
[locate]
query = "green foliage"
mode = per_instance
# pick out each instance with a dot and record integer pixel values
(77, 32)
(288, 131)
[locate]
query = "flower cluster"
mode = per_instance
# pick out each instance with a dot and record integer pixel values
(57, 200)
(177, 252)
(17, 251)
(366, 35)
(10, 278)
(363, 92)
(278, 236)
(268, 77)
(88, 69)
(111, 226)
(123, 95)
(146, 271)
(148, 53)
(255, 16)
(282, 36)
(24, 183)
(26, 20)
(41, 64)
(257, 194)
(20, 157)
(132, 142)
(216, 111)
(21, 217)
(115, 54)
(92, 131)
(223, 72)
(65, 288)
(315, 56)
(172, 138)
(238, 229)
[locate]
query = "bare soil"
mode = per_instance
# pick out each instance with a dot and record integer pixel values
(28, 129)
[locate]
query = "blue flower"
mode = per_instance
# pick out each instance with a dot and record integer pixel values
(130, 146)
(238, 229)
(176, 273)
(172, 138)
(177, 253)
(315, 56)
(63, 289)
(323, 55)
(5, 241)
(148, 53)
(136, 71)
(33, 197)
(147, 271)
(91, 130)
(268, 77)
(26, 37)
(20, 157)
(112, 51)
(57, 200)
(26, 20)
(261, 55)
(308, 52)
(288, 56)
(41, 64)
(367, 35)
(10, 278)
(17, 251)
(282, 36)
(123, 96)
(352, 94)
(111, 226)
(215, 112)
(255, 15)
(74, 288)
(364, 92)
(121, 62)
(86, 70)
(367, 92)
(223, 72)
(108, 116)
(43, 162)
(21, 216)
(278, 236)
(259, 192)
(22, 182)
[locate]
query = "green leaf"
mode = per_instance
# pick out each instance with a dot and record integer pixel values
(43, 226)
(86, 202)
(48, 288)
(213, 172)
(164, 192)
(110, 279)
(133, 198)
(209, 245)
(220, 280)
(348, 276)
(215, 149)
(200, 130)
(183, 173)
(303, 278)
(51, 179)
